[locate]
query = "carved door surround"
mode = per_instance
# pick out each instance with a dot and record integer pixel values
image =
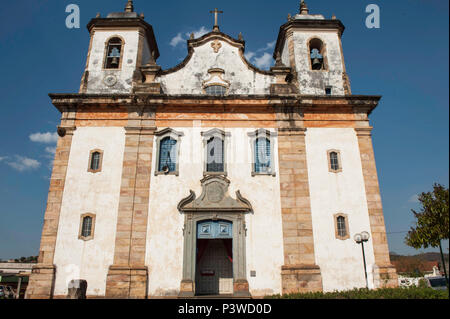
(214, 204)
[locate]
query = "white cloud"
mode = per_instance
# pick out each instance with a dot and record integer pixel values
(176, 40)
(22, 163)
(197, 34)
(268, 46)
(264, 61)
(47, 138)
(179, 38)
(2, 158)
(249, 55)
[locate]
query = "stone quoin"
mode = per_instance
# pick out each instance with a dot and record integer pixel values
(212, 177)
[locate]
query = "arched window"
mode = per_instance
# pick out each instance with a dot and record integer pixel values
(317, 54)
(95, 161)
(113, 53)
(87, 225)
(167, 155)
(341, 226)
(216, 90)
(262, 155)
(215, 155)
(334, 161)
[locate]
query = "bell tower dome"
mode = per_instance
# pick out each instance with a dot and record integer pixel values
(120, 44)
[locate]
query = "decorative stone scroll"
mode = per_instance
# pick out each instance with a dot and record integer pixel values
(214, 197)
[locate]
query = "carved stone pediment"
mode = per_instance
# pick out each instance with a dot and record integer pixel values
(214, 197)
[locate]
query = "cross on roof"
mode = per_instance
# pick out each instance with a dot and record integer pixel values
(216, 12)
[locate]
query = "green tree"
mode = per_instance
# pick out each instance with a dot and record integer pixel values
(432, 221)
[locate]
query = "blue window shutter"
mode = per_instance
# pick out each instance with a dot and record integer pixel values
(262, 155)
(167, 154)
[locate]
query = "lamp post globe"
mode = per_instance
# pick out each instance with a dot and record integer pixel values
(358, 238)
(365, 236)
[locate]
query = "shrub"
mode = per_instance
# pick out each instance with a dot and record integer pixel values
(386, 293)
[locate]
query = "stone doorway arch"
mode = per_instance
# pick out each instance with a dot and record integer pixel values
(214, 204)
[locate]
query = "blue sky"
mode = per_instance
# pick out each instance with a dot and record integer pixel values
(405, 61)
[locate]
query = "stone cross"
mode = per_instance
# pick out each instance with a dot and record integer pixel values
(216, 12)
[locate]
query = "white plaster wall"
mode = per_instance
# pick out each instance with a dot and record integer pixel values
(189, 79)
(285, 54)
(96, 62)
(264, 241)
(314, 82)
(86, 192)
(340, 261)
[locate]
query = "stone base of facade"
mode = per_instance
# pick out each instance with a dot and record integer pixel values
(301, 278)
(187, 289)
(241, 288)
(42, 281)
(125, 282)
(385, 276)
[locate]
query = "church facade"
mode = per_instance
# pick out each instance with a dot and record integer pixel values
(212, 177)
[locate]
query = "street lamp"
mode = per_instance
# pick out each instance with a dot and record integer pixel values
(361, 239)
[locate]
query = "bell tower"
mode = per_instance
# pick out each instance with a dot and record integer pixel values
(311, 45)
(120, 44)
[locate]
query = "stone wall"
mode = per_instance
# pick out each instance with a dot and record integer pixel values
(299, 272)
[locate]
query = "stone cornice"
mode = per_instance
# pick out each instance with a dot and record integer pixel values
(359, 103)
(364, 131)
(140, 130)
(76, 98)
